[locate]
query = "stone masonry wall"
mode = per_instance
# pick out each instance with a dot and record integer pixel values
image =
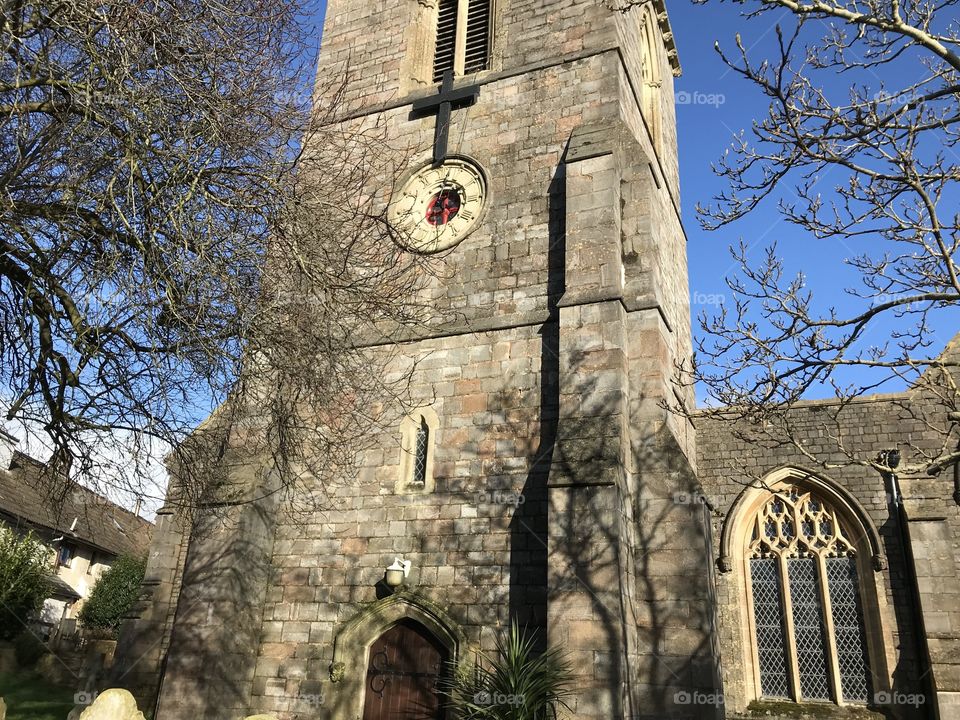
(727, 464)
(365, 41)
(475, 542)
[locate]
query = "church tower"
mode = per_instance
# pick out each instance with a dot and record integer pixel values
(541, 481)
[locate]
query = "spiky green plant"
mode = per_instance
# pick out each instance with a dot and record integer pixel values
(518, 683)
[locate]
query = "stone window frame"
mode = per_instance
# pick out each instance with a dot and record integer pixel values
(421, 41)
(409, 429)
(351, 647)
(734, 559)
(651, 74)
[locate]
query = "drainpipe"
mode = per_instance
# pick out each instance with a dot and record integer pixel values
(898, 514)
(956, 480)
(954, 417)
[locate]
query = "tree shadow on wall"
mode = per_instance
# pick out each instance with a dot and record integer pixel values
(207, 668)
(911, 675)
(610, 550)
(629, 563)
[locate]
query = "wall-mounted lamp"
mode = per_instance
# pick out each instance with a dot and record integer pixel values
(891, 458)
(397, 573)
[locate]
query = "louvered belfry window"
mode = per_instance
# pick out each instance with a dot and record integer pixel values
(446, 38)
(463, 37)
(477, 37)
(805, 596)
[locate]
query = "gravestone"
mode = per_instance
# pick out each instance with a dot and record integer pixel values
(114, 704)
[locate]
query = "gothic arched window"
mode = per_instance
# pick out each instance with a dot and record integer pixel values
(463, 37)
(804, 591)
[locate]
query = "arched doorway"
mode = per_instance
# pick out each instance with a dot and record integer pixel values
(404, 669)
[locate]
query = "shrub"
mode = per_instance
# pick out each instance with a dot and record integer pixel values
(25, 563)
(113, 595)
(519, 683)
(29, 649)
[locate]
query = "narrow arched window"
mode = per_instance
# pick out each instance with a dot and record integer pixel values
(463, 37)
(805, 596)
(418, 439)
(420, 461)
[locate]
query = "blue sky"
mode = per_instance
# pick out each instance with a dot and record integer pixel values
(719, 104)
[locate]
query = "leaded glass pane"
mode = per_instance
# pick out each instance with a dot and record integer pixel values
(768, 618)
(808, 628)
(770, 530)
(848, 628)
(420, 461)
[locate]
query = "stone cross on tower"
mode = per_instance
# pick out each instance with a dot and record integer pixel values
(446, 99)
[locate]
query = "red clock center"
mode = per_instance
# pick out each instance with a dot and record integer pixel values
(443, 207)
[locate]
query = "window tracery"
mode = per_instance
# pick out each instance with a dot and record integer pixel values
(807, 614)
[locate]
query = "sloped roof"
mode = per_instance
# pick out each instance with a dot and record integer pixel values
(99, 522)
(60, 588)
(949, 356)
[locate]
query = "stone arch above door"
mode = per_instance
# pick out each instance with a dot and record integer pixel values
(352, 645)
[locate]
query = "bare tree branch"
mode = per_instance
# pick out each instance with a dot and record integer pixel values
(891, 152)
(181, 231)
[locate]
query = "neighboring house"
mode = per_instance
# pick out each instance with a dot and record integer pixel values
(86, 531)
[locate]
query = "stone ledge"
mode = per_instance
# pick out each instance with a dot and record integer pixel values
(805, 711)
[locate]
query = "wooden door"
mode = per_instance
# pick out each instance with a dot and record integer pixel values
(403, 672)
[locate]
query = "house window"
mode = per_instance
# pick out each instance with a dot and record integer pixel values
(805, 596)
(463, 37)
(64, 555)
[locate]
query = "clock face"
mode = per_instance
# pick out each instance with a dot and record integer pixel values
(439, 206)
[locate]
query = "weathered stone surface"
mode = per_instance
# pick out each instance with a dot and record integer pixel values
(3, 709)
(113, 704)
(729, 461)
(557, 324)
